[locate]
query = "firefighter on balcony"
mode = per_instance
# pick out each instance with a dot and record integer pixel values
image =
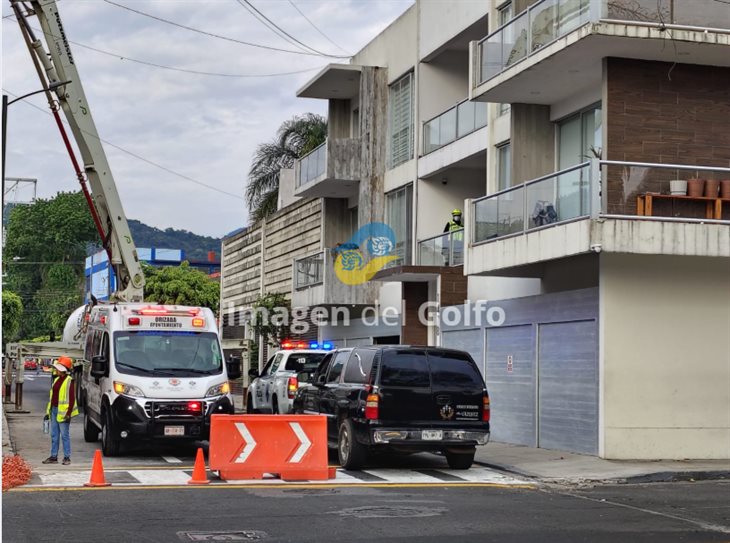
(454, 245)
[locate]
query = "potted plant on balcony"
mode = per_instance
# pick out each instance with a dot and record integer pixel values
(695, 187)
(712, 186)
(725, 188)
(678, 187)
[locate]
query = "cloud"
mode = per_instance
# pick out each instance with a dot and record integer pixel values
(206, 128)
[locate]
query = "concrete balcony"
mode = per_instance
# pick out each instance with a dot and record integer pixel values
(332, 170)
(566, 214)
(554, 49)
(442, 250)
(316, 284)
(457, 138)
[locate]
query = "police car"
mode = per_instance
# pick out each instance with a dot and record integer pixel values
(274, 389)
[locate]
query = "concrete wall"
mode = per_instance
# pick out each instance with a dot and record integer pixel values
(441, 20)
(666, 357)
(338, 119)
(501, 288)
(287, 182)
(436, 201)
(573, 273)
(442, 83)
(533, 142)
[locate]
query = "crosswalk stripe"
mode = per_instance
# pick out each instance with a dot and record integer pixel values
(172, 460)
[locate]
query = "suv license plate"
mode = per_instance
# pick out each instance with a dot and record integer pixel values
(432, 435)
(174, 430)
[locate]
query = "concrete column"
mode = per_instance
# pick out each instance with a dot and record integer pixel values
(532, 141)
(338, 119)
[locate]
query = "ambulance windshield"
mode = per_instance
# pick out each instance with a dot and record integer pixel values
(183, 354)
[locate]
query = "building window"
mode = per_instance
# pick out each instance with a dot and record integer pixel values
(399, 216)
(401, 120)
(504, 165)
(504, 15)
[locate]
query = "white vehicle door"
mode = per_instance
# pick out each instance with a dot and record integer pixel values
(266, 384)
(97, 344)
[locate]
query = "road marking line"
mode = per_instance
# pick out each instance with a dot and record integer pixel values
(172, 460)
(150, 477)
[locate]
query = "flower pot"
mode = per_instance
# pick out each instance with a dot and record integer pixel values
(678, 187)
(712, 186)
(695, 187)
(725, 188)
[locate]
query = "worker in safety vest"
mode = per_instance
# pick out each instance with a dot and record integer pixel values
(456, 228)
(61, 407)
(455, 223)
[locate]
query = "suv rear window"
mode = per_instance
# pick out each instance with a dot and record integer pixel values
(303, 362)
(401, 368)
(359, 366)
(454, 369)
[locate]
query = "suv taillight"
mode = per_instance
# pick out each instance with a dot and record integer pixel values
(485, 407)
(291, 387)
(372, 406)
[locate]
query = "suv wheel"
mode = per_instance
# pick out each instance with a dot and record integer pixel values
(91, 432)
(460, 460)
(352, 455)
(274, 406)
(110, 444)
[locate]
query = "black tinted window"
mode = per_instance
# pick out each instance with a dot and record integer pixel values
(336, 369)
(303, 361)
(454, 369)
(359, 365)
(404, 369)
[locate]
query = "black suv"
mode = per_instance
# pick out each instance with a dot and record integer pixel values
(400, 399)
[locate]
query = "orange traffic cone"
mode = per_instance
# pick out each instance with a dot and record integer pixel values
(97, 472)
(199, 475)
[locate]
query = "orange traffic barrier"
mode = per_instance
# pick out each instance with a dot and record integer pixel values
(199, 475)
(294, 447)
(97, 472)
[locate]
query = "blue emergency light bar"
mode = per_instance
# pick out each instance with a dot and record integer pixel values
(326, 345)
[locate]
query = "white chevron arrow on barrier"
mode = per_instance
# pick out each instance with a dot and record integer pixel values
(250, 442)
(304, 443)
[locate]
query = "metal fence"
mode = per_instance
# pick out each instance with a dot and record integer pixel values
(454, 123)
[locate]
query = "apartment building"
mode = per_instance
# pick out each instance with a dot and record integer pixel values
(596, 304)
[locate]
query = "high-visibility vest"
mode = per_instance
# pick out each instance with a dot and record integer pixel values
(62, 400)
(456, 229)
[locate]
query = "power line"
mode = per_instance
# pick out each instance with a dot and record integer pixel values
(184, 70)
(138, 157)
(212, 35)
(325, 36)
(272, 27)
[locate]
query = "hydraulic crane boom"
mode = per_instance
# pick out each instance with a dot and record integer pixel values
(60, 76)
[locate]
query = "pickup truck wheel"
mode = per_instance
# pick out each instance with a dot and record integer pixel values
(91, 432)
(351, 454)
(460, 460)
(274, 406)
(110, 444)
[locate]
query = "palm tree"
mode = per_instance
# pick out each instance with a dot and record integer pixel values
(294, 139)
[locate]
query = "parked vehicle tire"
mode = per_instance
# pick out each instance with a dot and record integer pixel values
(274, 406)
(351, 454)
(249, 405)
(110, 444)
(91, 432)
(460, 460)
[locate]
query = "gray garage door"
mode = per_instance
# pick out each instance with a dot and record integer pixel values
(568, 386)
(510, 378)
(466, 340)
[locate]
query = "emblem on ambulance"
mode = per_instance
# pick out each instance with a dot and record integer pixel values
(447, 412)
(174, 382)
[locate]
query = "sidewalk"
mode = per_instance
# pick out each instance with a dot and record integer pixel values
(7, 444)
(565, 467)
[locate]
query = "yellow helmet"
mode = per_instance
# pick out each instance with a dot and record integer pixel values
(456, 212)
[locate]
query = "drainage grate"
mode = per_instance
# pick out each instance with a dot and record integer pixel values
(240, 535)
(386, 511)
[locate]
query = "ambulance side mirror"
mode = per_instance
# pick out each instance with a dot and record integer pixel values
(233, 367)
(99, 366)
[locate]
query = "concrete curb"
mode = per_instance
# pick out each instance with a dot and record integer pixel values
(657, 477)
(8, 445)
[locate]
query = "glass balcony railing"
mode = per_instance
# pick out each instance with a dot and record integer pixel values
(312, 165)
(560, 197)
(443, 250)
(454, 123)
(548, 20)
(308, 271)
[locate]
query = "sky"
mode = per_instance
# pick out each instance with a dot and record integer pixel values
(202, 127)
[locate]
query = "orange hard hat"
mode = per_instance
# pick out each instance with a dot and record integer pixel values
(65, 361)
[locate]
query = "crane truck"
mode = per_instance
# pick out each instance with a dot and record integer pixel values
(147, 371)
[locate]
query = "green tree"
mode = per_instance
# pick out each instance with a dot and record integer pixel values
(270, 318)
(180, 285)
(294, 139)
(12, 315)
(44, 253)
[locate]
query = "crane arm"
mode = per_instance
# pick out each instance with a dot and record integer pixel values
(62, 77)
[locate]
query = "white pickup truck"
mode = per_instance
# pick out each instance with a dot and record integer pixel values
(273, 391)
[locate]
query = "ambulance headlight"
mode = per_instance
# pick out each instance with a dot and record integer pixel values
(128, 390)
(218, 390)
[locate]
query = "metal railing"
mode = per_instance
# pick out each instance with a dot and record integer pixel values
(308, 271)
(442, 250)
(598, 188)
(312, 165)
(548, 20)
(454, 123)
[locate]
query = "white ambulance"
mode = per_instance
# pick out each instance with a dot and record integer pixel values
(152, 372)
